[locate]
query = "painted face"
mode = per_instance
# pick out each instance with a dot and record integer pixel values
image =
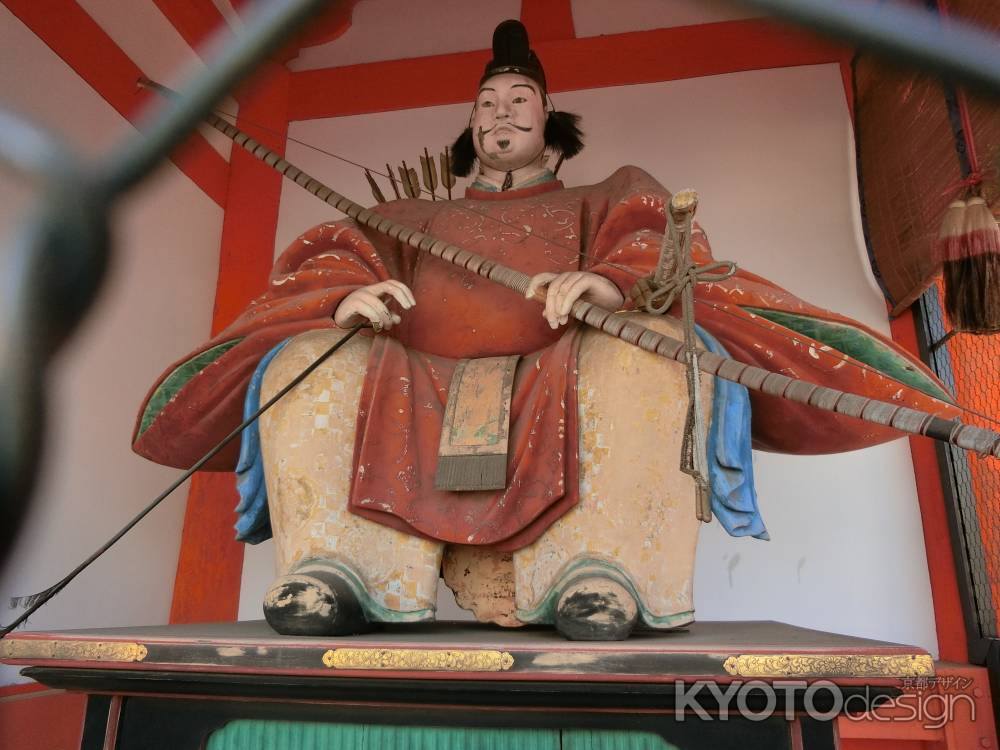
(508, 122)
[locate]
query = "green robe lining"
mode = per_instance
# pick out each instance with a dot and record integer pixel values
(179, 378)
(857, 344)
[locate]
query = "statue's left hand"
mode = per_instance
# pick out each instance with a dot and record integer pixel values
(566, 288)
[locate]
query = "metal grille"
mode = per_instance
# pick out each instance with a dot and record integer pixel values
(970, 366)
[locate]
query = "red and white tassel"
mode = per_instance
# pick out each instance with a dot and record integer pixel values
(971, 266)
(949, 241)
(981, 230)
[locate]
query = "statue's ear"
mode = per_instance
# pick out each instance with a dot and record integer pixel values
(463, 154)
(562, 132)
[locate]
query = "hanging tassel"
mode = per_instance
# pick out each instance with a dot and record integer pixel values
(981, 228)
(949, 241)
(971, 267)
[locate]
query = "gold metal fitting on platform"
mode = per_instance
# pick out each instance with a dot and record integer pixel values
(413, 659)
(829, 665)
(22, 648)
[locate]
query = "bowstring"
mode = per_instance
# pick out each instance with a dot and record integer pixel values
(34, 602)
(598, 261)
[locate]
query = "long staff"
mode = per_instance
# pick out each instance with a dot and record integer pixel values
(902, 418)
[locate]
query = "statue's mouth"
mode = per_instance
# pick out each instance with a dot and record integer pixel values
(503, 143)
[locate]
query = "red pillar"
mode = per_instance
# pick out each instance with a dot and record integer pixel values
(948, 618)
(548, 20)
(210, 565)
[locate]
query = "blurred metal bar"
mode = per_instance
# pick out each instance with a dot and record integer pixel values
(950, 47)
(166, 125)
(27, 149)
(52, 269)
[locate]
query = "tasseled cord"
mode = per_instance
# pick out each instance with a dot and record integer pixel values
(968, 247)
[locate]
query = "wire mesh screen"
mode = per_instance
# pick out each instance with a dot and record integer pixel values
(970, 366)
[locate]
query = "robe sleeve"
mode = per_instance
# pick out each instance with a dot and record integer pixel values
(624, 222)
(761, 324)
(199, 399)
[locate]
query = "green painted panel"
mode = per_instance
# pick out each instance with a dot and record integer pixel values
(598, 739)
(287, 735)
(179, 378)
(857, 344)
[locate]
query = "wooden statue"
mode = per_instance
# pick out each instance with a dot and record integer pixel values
(531, 461)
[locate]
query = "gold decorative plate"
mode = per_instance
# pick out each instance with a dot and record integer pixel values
(414, 659)
(110, 651)
(829, 665)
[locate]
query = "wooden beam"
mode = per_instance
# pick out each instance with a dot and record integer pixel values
(548, 20)
(83, 45)
(210, 565)
(949, 621)
(195, 20)
(210, 562)
(570, 64)
(251, 219)
(847, 74)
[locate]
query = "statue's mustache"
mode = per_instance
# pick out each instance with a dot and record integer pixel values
(522, 128)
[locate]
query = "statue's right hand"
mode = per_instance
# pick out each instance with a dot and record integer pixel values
(366, 303)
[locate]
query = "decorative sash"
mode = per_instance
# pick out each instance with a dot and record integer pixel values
(474, 435)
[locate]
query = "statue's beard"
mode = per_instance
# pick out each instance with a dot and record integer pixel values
(501, 148)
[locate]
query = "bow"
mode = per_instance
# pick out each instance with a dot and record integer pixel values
(902, 418)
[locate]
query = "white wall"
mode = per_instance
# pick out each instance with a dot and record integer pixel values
(156, 305)
(591, 17)
(770, 154)
(401, 29)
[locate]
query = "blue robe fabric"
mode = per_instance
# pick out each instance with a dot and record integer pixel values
(730, 461)
(253, 525)
(734, 497)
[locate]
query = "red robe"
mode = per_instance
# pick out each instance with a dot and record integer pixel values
(614, 229)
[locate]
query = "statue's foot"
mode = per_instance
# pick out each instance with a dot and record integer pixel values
(314, 600)
(596, 609)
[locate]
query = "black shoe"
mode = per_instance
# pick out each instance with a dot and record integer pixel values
(596, 609)
(314, 600)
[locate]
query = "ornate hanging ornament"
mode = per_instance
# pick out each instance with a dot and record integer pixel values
(968, 247)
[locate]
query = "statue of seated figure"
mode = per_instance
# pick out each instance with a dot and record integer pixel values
(366, 473)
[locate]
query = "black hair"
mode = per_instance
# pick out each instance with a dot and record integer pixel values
(562, 132)
(463, 154)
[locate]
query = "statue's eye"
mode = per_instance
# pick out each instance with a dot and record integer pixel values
(486, 104)
(519, 100)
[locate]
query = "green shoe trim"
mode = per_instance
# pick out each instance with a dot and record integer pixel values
(589, 567)
(857, 344)
(179, 378)
(374, 611)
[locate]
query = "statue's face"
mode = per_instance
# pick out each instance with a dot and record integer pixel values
(508, 122)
